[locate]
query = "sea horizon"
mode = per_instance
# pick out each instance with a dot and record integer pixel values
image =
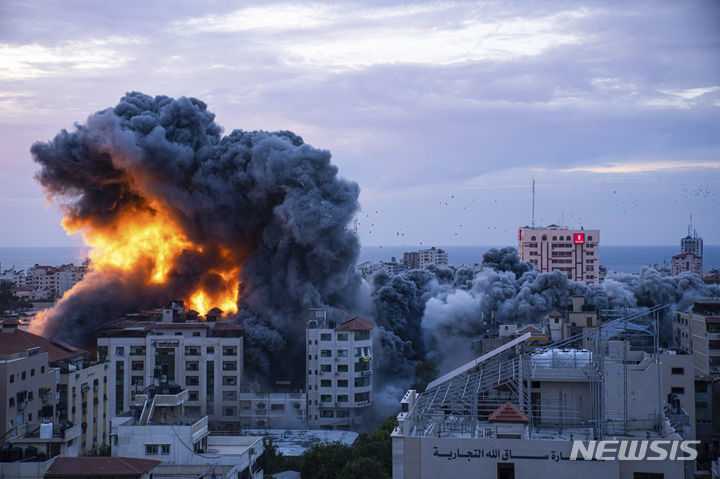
(619, 258)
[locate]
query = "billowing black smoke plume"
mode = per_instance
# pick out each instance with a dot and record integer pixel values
(434, 315)
(264, 200)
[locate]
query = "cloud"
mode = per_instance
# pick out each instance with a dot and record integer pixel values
(28, 61)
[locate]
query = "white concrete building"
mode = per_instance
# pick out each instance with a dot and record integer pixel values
(558, 248)
(203, 355)
(157, 428)
(339, 371)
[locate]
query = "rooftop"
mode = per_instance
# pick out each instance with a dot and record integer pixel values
(14, 340)
(508, 412)
(356, 324)
(99, 466)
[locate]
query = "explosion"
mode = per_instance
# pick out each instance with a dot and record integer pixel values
(254, 223)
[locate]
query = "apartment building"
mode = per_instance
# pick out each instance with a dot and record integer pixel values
(339, 370)
(697, 330)
(53, 281)
(49, 381)
(203, 355)
(558, 248)
(27, 382)
(425, 257)
(686, 262)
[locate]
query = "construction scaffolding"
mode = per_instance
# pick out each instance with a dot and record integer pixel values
(457, 403)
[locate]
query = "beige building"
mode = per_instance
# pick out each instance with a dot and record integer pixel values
(425, 257)
(697, 331)
(558, 248)
(48, 381)
(27, 391)
(339, 371)
(687, 262)
(203, 355)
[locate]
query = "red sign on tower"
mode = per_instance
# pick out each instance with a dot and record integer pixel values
(579, 238)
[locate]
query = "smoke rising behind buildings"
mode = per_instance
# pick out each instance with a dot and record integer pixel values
(257, 223)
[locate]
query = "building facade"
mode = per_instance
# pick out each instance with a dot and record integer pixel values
(687, 262)
(339, 371)
(425, 257)
(576, 253)
(203, 355)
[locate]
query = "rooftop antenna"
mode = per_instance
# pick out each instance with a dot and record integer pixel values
(533, 203)
(690, 226)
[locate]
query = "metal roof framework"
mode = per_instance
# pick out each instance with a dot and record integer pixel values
(456, 402)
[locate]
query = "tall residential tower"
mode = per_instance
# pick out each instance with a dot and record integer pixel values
(558, 248)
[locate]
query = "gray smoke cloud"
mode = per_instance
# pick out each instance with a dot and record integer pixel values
(434, 317)
(275, 203)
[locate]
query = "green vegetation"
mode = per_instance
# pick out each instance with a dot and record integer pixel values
(8, 300)
(370, 457)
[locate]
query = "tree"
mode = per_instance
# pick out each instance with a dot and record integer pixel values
(8, 299)
(363, 468)
(325, 461)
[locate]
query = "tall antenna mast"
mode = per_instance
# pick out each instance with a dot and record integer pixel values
(533, 203)
(690, 226)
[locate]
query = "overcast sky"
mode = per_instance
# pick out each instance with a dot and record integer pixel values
(443, 112)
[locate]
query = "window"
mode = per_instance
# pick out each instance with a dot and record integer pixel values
(12, 402)
(136, 380)
(165, 449)
(229, 351)
(677, 390)
(120, 351)
(325, 353)
(229, 411)
(325, 368)
(210, 350)
(544, 237)
(137, 350)
(12, 378)
(342, 337)
(342, 353)
(192, 351)
(326, 337)
(42, 369)
(22, 375)
(700, 387)
(192, 380)
(677, 370)
(137, 366)
(326, 413)
(360, 397)
(192, 366)
(362, 382)
(342, 368)
(325, 398)
(325, 383)
(229, 395)
(342, 383)
(229, 381)
(196, 333)
(342, 412)
(362, 335)
(701, 405)
(229, 366)
(102, 352)
(32, 372)
(178, 333)
(151, 449)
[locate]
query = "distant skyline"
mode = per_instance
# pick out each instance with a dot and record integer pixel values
(442, 112)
